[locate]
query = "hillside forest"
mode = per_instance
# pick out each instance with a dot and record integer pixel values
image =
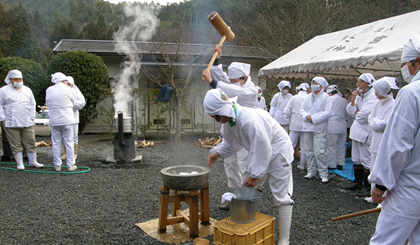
(30, 29)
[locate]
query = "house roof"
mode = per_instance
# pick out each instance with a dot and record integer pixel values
(106, 48)
(375, 47)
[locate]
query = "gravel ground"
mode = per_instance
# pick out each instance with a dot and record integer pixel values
(103, 205)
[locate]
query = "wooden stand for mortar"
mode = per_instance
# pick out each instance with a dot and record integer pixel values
(191, 198)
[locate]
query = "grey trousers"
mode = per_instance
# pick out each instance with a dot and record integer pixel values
(19, 136)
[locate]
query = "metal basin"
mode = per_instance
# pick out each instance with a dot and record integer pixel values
(185, 177)
(243, 208)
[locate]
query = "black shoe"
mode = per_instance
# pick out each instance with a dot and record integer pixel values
(339, 167)
(364, 193)
(354, 186)
(224, 206)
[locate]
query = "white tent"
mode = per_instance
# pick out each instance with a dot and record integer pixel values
(374, 47)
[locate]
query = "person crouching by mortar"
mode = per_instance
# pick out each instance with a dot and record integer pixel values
(60, 101)
(17, 115)
(270, 151)
(79, 103)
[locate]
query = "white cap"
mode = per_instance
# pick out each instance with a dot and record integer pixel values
(58, 77)
(367, 77)
(70, 80)
(12, 74)
(215, 105)
(238, 69)
(332, 88)
(283, 84)
(411, 49)
(304, 86)
(321, 81)
(384, 85)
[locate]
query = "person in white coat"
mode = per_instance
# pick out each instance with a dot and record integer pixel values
(269, 146)
(261, 100)
(315, 118)
(363, 101)
(292, 112)
(337, 128)
(17, 115)
(279, 102)
(237, 83)
(79, 103)
(380, 114)
(397, 166)
(60, 100)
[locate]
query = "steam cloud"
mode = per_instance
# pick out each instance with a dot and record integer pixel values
(141, 28)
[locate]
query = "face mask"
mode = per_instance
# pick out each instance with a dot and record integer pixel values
(259, 96)
(285, 91)
(360, 90)
(18, 85)
(346, 95)
(315, 87)
(406, 74)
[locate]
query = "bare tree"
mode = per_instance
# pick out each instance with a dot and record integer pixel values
(180, 65)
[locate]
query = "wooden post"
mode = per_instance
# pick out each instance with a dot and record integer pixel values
(163, 208)
(193, 203)
(205, 209)
(176, 205)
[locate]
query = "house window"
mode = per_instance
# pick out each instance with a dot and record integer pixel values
(159, 121)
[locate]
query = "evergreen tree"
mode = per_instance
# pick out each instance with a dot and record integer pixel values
(91, 30)
(72, 33)
(38, 21)
(21, 40)
(110, 35)
(63, 33)
(101, 28)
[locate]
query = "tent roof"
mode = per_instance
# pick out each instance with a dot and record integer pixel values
(374, 47)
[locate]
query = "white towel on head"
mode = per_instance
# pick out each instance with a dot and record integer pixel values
(227, 197)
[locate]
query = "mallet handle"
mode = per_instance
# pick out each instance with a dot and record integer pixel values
(222, 40)
(373, 210)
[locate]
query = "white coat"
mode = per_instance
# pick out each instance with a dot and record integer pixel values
(359, 130)
(60, 101)
(277, 105)
(397, 166)
(261, 104)
(378, 120)
(261, 136)
(337, 105)
(247, 93)
(17, 108)
(291, 111)
(316, 108)
(79, 103)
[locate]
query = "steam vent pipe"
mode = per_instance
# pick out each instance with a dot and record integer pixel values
(120, 129)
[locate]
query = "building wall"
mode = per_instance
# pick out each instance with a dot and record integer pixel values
(143, 113)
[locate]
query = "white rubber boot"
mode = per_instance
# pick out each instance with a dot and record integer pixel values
(19, 160)
(32, 160)
(284, 223)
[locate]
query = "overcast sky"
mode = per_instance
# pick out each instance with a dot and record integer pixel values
(162, 2)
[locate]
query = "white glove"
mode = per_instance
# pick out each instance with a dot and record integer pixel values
(227, 197)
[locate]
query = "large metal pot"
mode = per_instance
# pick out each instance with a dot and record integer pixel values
(127, 125)
(243, 208)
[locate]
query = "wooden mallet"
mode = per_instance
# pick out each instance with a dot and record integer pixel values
(224, 31)
(373, 210)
